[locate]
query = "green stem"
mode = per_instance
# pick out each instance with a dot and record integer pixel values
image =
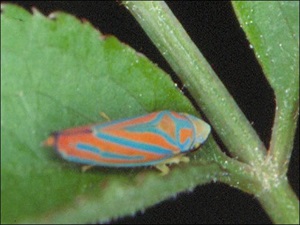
(208, 91)
(258, 174)
(283, 133)
(281, 203)
(271, 189)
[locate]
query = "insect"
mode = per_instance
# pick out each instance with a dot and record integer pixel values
(157, 139)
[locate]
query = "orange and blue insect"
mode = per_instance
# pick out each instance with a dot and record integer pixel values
(157, 139)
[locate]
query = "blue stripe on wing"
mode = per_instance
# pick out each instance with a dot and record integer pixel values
(104, 154)
(135, 145)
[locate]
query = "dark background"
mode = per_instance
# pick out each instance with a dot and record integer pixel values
(215, 30)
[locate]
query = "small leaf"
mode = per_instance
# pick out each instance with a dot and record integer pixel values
(58, 73)
(273, 30)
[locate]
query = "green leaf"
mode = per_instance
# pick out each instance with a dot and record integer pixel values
(273, 31)
(58, 73)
